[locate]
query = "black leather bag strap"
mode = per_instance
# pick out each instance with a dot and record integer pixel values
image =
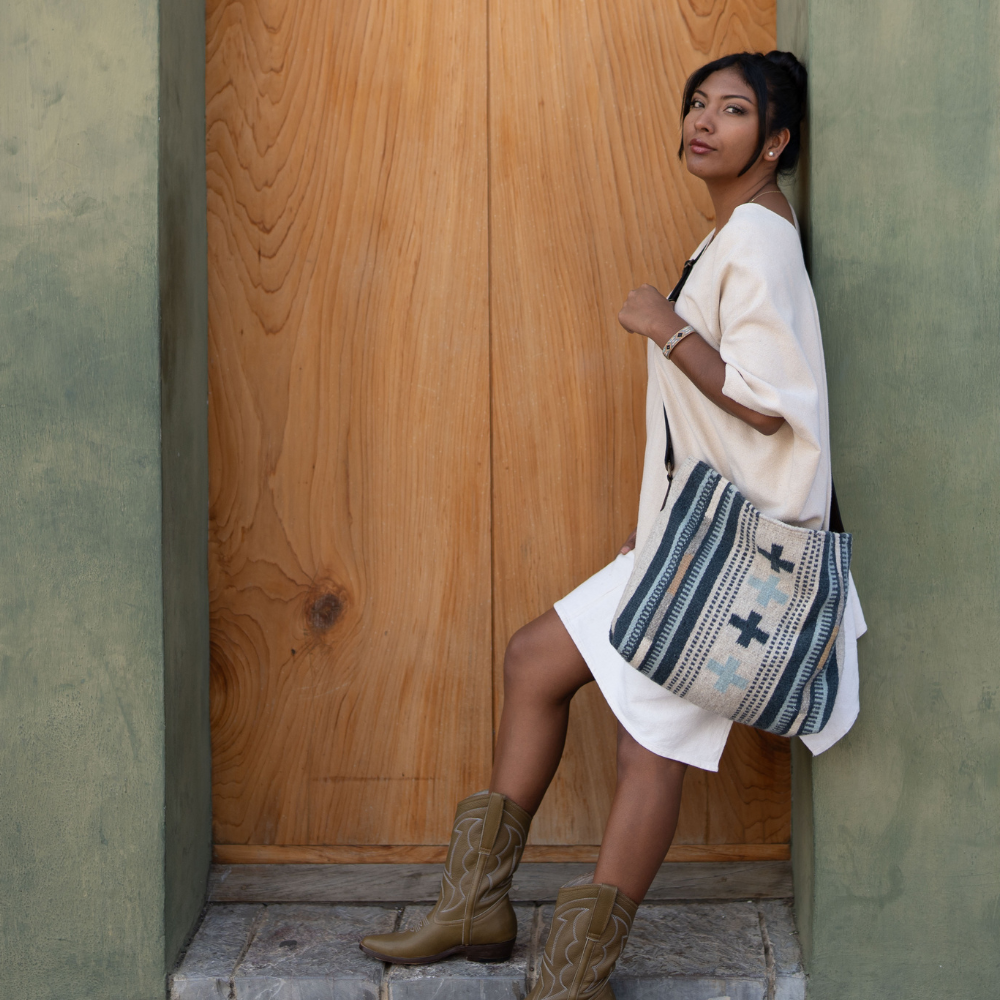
(685, 274)
(836, 522)
(668, 456)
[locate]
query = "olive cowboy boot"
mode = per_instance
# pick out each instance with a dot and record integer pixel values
(473, 916)
(590, 926)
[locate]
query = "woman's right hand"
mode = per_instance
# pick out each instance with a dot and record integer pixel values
(628, 546)
(649, 314)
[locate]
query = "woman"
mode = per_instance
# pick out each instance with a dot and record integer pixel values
(736, 368)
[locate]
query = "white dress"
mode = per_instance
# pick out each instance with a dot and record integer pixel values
(750, 297)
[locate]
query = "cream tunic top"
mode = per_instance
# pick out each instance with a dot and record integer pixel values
(750, 297)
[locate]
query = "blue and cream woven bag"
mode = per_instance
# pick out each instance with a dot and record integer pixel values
(735, 611)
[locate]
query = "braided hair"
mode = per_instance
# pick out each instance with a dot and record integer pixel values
(779, 81)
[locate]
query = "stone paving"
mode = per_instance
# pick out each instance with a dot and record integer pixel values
(309, 951)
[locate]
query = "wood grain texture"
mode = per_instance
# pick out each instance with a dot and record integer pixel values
(748, 800)
(677, 852)
(286, 854)
(290, 854)
(417, 883)
(349, 418)
(376, 257)
(589, 200)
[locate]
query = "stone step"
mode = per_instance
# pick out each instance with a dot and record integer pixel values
(534, 882)
(744, 950)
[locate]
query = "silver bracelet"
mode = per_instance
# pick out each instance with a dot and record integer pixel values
(676, 339)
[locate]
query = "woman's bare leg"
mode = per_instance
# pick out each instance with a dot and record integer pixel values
(542, 670)
(643, 818)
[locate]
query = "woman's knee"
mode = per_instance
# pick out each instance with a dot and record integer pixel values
(634, 758)
(542, 661)
(520, 662)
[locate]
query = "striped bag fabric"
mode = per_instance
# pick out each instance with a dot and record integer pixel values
(735, 611)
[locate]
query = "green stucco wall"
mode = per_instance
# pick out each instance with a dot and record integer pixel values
(183, 281)
(904, 205)
(102, 590)
(793, 36)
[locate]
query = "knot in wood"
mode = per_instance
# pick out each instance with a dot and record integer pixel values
(324, 611)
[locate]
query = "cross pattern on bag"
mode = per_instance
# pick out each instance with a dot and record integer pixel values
(768, 590)
(727, 675)
(774, 558)
(748, 629)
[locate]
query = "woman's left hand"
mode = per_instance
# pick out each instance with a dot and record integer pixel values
(648, 313)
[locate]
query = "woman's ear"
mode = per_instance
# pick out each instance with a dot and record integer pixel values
(775, 145)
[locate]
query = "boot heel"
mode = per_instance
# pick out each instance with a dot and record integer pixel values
(499, 952)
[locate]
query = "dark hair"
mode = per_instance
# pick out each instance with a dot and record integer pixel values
(779, 81)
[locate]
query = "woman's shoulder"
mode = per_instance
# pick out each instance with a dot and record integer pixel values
(754, 232)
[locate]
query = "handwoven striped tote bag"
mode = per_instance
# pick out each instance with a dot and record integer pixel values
(735, 611)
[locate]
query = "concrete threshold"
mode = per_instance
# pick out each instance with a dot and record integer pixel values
(736, 949)
(534, 882)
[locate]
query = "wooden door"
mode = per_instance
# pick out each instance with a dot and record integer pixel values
(426, 425)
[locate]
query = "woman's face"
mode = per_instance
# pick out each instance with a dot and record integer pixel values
(720, 131)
